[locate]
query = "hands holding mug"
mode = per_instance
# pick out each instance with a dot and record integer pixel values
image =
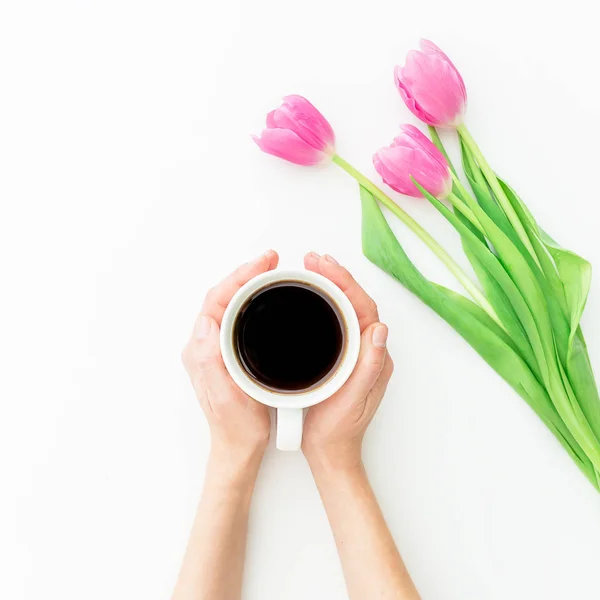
(341, 408)
(241, 360)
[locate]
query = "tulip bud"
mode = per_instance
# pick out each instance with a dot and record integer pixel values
(432, 87)
(413, 155)
(298, 133)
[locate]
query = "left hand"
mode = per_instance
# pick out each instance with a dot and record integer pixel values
(238, 424)
(334, 429)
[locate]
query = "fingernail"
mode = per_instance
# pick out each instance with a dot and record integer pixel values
(269, 253)
(331, 259)
(380, 335)
(203, 328)
(314, 255)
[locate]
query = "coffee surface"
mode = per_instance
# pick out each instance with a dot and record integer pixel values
(289, 337)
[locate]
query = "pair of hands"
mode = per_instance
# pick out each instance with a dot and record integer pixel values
(333, 429)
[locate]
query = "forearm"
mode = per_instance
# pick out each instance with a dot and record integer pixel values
(373, 567)
(214, 559)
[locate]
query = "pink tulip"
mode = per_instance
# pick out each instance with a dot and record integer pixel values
(432, 87)
(412, 154)
(298, 133)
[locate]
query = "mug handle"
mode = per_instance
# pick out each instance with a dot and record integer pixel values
(289, 428)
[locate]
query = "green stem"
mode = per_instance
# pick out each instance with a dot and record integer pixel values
(461, 188)
(494, 184)
(465, 210)
(423, 235)
(435, 138)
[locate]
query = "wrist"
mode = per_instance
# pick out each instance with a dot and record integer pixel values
(235, 464)
(328, 459)
(333, 475)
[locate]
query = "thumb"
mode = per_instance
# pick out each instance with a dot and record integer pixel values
(371, 359)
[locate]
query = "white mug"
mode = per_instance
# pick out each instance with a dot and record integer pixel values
(290, 405)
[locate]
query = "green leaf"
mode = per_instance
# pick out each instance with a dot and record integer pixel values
(563, 278)
(540, 293)
(500, 289)
(559, 267)
(470, 321)
(484, 195)
(569, 276)
(492, 288)
(548, 277)
(527, 278)
(544, 272)
(438, 143)
(488, 202)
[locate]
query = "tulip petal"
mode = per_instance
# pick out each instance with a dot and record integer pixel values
(287, 145)
(418, 137)
(271, 120)
(429, 47)
(410, 101)
(413, 155)
(431, 86)
(389, 168)
(298, 115)
(298, 133)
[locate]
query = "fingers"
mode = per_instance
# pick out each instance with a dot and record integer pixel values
(373, 361)
(311, 262)
(218, 298)
(364, 305)
(204, 364)
(378, 390)
(203, 352)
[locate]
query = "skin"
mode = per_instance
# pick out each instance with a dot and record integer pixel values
(332, 443)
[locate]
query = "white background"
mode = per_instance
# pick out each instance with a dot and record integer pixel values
(129, 184)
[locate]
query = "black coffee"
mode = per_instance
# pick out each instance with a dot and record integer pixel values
(289, 337)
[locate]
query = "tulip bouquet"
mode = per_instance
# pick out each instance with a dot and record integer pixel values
(523, 314)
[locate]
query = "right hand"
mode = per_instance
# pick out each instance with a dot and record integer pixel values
(334, 429)
(239, 425)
